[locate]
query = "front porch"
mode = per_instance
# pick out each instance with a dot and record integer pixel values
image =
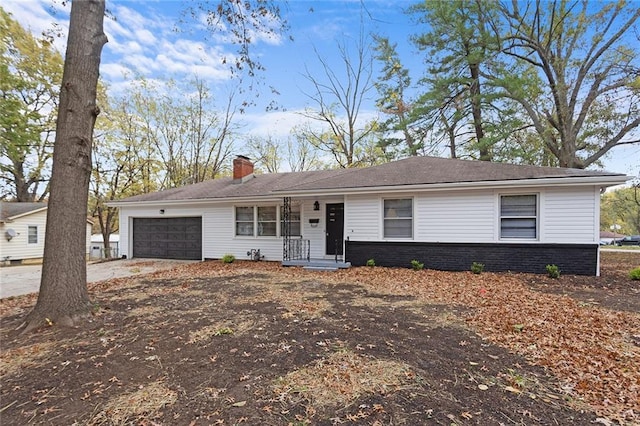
(323, 227)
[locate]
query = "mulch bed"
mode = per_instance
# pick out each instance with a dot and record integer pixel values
(256, 343)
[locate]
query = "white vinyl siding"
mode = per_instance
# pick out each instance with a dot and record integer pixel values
(398, 218)
(19, 247)
(519, 216)
(462, 216)
(570, 214)
(362, 218)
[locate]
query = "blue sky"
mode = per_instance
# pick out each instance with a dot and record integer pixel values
(143, 39)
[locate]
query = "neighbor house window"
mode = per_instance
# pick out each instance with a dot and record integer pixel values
(398, 218)
(244, 221)
(32, 235)
(519, 216)
(294, 220)
(267, 221)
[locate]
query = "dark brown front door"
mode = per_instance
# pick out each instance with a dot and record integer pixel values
(335, 228)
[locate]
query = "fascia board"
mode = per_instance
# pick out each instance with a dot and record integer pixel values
(164, 203)
(457, 186)
(18, 216)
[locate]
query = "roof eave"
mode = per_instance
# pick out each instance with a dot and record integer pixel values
(164, 203)
(603, 181)
(18, 216)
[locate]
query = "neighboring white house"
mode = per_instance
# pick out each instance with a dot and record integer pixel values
(446, 213)
(97, 250)
(22, 230)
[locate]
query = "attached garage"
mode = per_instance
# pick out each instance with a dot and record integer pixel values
(168, 238)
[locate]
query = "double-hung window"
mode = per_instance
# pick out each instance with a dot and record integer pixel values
(294, 221)
(519, 216)
(32, 235)
(265, 221)
(244, 221)
(398, 218)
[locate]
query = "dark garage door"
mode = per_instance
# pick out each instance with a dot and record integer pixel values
(168, 238)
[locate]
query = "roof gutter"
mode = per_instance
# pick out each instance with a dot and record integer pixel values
(604, 181)
(263, 198)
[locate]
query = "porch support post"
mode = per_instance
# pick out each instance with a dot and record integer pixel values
(286, 229)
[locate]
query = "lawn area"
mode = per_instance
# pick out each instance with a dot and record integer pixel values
(254, 343)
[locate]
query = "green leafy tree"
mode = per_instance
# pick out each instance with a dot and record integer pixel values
(123, 165)
(398, 137)
(30, 77)
(460, 46)
(586, 57)
(621, 207)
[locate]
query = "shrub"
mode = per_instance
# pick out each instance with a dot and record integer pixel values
(635, 274)
(371, 262)
(477, 267)
(553, 271)
(417, 266)
(228, 258)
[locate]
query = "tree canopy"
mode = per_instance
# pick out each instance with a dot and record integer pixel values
(30, 77)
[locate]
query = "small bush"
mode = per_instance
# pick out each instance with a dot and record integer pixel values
(635, 274)
(228, 258)
(553, 271)
(477, 267)
(417, 266)
(371, 262)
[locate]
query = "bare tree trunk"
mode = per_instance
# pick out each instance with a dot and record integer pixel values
(63, 297)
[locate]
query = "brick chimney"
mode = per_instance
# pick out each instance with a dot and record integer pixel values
(242, 168)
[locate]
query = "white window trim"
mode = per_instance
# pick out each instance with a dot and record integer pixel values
(255, 222)
(413, 219)
(37, 234)
(500, 217)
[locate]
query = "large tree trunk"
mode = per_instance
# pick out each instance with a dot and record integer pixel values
(476, 110)
(63, 297)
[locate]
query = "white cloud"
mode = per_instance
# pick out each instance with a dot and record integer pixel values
(113, 71)
(42, 17)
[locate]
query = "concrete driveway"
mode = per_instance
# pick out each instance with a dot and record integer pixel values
(24, 279)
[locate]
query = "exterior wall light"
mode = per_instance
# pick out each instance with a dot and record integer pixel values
(316, 206)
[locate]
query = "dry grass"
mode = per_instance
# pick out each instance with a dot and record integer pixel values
(23, 357)
(206, 333)
(130, 408)
(341, 378)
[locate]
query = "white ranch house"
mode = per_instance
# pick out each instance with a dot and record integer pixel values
(446, 213)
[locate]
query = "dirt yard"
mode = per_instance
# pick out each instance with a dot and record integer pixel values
(258, 344)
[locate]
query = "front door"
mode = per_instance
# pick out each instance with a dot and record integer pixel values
(335, 228)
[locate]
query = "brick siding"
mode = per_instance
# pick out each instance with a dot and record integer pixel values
(573, 259)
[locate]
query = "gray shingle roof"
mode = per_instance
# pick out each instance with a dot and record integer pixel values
(409, 171)
(12, 209)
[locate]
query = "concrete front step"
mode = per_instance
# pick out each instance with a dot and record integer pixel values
(321, 268)
(318, 263)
